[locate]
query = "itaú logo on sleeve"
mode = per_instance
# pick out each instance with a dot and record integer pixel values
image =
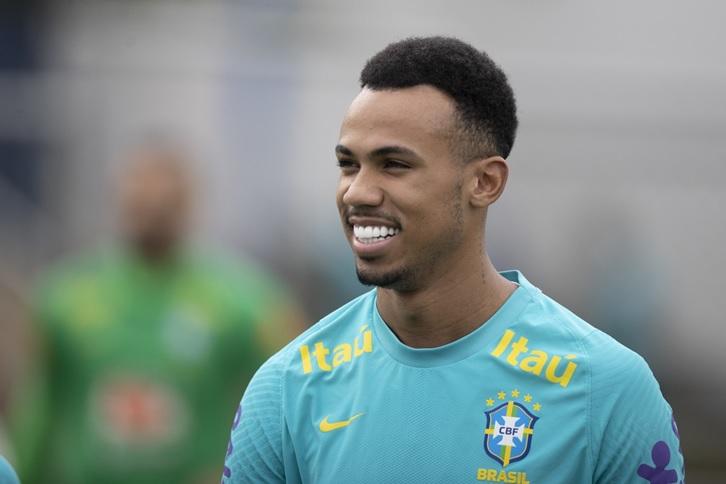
(342, 353)
(534, 361)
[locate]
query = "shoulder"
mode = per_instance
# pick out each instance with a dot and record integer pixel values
(560, 327)
(7, 474)
(614, 368)
(230, 268)
(244, 292)
(609, 362)
(344, 321)
(619, 394)
(74, 280)
(78, 266)
(262, 407)
(551, 333)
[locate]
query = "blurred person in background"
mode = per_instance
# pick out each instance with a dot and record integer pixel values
(146, 345)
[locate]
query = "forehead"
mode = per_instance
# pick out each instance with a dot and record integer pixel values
(420, 116)
(154, 175)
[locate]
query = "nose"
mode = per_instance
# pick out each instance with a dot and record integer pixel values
(362, 189)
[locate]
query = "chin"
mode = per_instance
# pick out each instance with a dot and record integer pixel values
(396, 279)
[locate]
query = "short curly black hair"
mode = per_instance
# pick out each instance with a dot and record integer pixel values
(486, 110)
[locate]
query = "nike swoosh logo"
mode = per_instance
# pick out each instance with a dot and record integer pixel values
(326, 426)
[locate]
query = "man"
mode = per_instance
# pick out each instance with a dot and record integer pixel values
(148, 344)
(447, 372)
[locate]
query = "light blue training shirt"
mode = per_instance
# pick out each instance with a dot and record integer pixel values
(7, 474)
(534, 395)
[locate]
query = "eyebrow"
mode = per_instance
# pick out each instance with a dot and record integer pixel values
(343, 150)
(379, 152)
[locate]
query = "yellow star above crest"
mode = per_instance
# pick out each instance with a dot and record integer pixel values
(528, 398)
(515, 393)
(537, 407)
(502, 395)
(490, 402)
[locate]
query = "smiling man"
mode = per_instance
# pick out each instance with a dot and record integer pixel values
(447, 371)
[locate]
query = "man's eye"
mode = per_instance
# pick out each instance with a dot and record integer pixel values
(396, 165)
(347, 164)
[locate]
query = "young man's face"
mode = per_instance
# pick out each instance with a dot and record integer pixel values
(400, 193)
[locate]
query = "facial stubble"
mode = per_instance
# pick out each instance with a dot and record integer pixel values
(412, 275)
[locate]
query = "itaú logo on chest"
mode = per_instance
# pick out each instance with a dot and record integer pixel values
(534, 361)
(342, 353)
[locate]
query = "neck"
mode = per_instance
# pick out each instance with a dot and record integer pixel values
(155, 256)
(448, 309)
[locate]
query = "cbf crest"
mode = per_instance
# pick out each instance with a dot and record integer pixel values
(509, 427)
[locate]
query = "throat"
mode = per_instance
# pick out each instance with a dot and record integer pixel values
(433, 318)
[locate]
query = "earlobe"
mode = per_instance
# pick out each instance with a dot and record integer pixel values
(488, 179)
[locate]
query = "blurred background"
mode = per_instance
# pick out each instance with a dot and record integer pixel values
(614, 206)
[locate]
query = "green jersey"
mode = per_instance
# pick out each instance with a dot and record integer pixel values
(144, 365)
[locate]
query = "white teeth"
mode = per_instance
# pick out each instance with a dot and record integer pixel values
(369, 234)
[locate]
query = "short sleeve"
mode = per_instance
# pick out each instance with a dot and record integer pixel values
(634, 434)
(7, 474)
(255, 453)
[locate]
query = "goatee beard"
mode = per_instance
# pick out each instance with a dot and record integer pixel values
(399, 280)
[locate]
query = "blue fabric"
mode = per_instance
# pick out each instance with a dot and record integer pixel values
(533, 395)
(7, 474)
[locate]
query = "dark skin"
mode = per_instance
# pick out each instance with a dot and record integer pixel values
(155, 202)
(398, 170)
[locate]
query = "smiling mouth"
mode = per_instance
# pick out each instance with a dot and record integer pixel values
(370, 234)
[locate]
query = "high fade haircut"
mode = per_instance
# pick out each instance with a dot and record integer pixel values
(486, 113)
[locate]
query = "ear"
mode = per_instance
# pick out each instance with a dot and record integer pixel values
(487, 178)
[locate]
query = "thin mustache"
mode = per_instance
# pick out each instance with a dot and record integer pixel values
(357, 212)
